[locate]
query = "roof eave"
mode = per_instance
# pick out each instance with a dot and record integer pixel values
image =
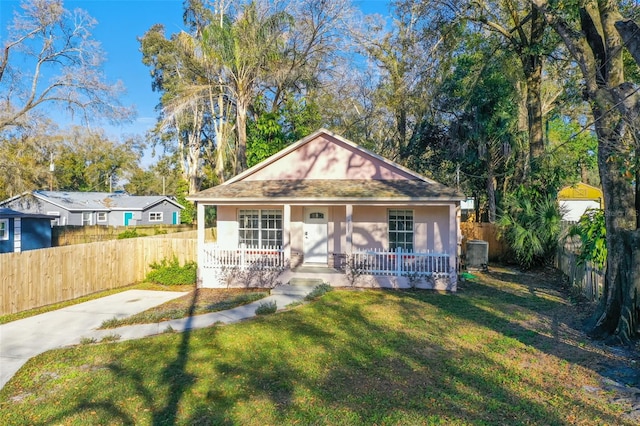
(333, 200)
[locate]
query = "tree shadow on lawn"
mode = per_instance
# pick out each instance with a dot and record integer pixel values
(557, 331)
(174, 375)
(543, 292)
(350, 369)
(107, 406)
(358, 358)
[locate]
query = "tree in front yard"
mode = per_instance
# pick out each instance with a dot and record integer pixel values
(597, 37)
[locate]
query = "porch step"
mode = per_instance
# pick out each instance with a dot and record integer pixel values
(298, 286)
(305, 282)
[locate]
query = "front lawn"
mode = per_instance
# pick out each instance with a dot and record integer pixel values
(196, 302)
(504, 350)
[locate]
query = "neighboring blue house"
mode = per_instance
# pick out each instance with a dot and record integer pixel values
(98, 208)
(23, 231)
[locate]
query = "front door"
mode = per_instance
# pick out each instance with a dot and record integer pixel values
(128, 217)
(315, 235)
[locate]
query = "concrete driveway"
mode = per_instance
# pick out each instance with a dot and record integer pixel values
(26, 338)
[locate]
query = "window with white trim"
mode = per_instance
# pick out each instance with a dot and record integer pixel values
(86, 218)
(56, 221)
(101, 216)
(260, 228)
(155, 216)
(4, 229)
(401, 229)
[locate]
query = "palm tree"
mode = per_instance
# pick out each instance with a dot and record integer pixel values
(208, 92)
(532, 224)
(243, 50)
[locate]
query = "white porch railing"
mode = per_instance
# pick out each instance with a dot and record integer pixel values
(367, 262)
(242, 257)
(401, 263)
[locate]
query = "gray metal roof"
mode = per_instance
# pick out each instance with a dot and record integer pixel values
(101, 201)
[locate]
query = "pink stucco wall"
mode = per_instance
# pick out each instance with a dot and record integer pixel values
(431, 227)
(328, 158)
(370, 227)
(227, 226)
(297, 216)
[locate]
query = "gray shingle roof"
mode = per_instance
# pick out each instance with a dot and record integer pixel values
(327, 190)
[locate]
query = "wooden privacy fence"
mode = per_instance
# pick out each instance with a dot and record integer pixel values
(210, 235)
(38, 278)
(585, 276)
(498, 249)
(70, 234)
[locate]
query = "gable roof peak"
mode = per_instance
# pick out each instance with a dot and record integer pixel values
(331, 136)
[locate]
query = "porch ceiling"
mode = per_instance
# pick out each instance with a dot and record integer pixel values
(328, 190)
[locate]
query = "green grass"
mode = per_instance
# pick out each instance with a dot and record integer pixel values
(318, 291)
(186, 306)
(492, 354)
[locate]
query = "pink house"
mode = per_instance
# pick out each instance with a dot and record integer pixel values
(326, 208)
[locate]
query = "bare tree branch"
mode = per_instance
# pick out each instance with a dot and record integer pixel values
(62, 66)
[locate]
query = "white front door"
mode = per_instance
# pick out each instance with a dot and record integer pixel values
(315, 235)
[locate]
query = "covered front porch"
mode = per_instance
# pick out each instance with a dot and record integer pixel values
(326, 202)
(361, 245)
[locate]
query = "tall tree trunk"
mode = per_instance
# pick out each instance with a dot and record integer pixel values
(220, 109)
(597, 49)
(617, 317)
(219, 158)
(532, 66)
(241, 128)
(193, 163)
(401, 118)
(534, 114)
(491, 195)
(584, 176)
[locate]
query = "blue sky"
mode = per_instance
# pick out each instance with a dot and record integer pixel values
(120, 22)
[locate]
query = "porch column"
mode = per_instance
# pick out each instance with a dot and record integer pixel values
(200, 244)
(349, 215)
(286, 233)
(455, 240)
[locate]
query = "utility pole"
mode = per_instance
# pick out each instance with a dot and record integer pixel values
(52, 168)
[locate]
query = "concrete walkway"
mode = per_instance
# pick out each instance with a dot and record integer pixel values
(26, 338)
